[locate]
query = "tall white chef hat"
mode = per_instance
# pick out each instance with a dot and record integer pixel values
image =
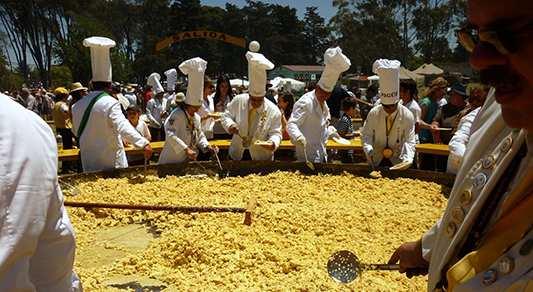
(336, 63)
(100, 60)
(153, 80)
(257, 66)
(171, 78)
(195, 68)
(389, 80)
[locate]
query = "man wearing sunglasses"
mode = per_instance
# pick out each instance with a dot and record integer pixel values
(482, 242)
(254, 122)
(388, 135)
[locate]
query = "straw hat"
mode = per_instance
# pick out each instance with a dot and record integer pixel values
(129, 89)
(76, 87)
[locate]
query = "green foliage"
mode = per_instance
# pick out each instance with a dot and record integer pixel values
(60, 76)
(415, 62)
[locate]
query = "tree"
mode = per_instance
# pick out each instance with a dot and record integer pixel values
(315, 41)
(8, 80)
(60, 76)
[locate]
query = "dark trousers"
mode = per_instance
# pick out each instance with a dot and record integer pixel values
(385, 162)
(156, 132)
(67, 144)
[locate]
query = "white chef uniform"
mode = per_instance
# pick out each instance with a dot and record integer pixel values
(266, 125)
(490, 150)
(37, 244)
(401, 139)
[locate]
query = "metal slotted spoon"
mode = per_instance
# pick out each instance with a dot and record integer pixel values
(344, 266)
(75, 191)
(246, 141)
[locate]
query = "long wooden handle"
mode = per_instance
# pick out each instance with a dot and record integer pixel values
(158, 208)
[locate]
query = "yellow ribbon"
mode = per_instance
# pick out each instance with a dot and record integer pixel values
(251, 120)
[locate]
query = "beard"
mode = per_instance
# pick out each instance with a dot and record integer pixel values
(501, 78)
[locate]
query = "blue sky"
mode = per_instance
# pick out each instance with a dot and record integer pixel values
(325, 8)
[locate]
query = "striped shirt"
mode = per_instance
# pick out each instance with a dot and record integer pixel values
(345, 127)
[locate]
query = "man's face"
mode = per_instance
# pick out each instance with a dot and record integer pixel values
(457, 99)
(257, 101)
(477, 97)
(511, 75)
(321, 95)
(390, 109)
(404, 94)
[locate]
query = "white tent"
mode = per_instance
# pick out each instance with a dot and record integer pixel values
(428, 69)
(295, 84)
(406, 74)
(237, 82)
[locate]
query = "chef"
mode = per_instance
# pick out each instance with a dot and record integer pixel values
(37, 244)
(483, 242)
(98, 121)
(251, 116)
(156, 108)
(309, 125)
(184, 132)
(388, 135)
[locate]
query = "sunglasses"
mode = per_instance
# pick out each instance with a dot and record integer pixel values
(503, 40)
(211, 87)
(388, 105)
(257, 99)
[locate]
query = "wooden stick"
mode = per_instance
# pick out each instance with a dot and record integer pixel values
(184, 209)
(249, 211)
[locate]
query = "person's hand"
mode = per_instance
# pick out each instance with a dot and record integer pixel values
(433, 127)
(335, 135)
(301, 141)
(213, 148)
(157, 124)
(147, 151)
(233, 129)
(126, 143)
(218, 106)
(191, 153)
(410, 256)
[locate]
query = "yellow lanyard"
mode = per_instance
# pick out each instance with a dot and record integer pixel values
(190, 124)
(251, 120)
(323, 109)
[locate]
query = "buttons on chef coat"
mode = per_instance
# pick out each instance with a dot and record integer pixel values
(488, 162)
(489, 276)
(465, 197)
(526, 247)
(506, 144)
(458, 214)
(506, 265)
(480, 180)
(450, 229)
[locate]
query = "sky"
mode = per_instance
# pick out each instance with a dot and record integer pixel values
(325, 8)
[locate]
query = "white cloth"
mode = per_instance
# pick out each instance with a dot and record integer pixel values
(154, 109)
(131, 98)
(459, 141)
(308, 119)
(208, 107)
(401, 140)
(179, 137)
(417, 113)
(141, 128)
(266, 125)
(336, 63)
(101, 144)
(389, 79)
(100, 59)
(37, 244)
(171, 78)
(257, 66)
(195, 69)
(488, 132)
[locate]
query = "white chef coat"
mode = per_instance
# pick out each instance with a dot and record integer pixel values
(170, 99)
(489, 132)
(179, 137)
(266, 125)
(459, 141)
(101, 142)
(208, 107)
(154, 109)
(37, 243)
(401, 140)
(308, 119)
